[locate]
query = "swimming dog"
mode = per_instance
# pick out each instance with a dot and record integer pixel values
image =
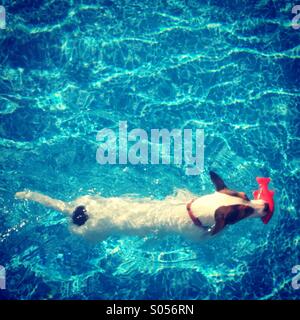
(185, 214)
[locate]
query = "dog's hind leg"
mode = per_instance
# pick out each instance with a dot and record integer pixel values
(55, 204)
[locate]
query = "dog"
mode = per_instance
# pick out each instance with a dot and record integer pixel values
(185, 214)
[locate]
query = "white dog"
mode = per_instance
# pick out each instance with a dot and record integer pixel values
(196, 218)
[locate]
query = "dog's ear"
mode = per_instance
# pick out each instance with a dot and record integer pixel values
(217, 181)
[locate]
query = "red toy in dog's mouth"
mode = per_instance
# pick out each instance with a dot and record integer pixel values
(267, 195)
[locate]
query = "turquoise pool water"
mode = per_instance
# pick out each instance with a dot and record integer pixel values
(70, 68)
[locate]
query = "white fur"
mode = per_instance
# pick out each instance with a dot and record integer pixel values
(140, 217)
(204, 207)
(146, 216)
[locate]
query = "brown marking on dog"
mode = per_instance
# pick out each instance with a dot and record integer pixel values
(226, 215)
(221, 187)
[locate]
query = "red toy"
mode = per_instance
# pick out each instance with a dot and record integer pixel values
(265, 194)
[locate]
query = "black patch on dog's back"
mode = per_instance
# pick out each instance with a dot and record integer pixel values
(80, 216)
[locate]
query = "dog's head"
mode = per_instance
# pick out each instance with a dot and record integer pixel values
(261, 208)
(245, 208)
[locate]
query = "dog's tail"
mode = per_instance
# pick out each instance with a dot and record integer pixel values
(55, 204)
